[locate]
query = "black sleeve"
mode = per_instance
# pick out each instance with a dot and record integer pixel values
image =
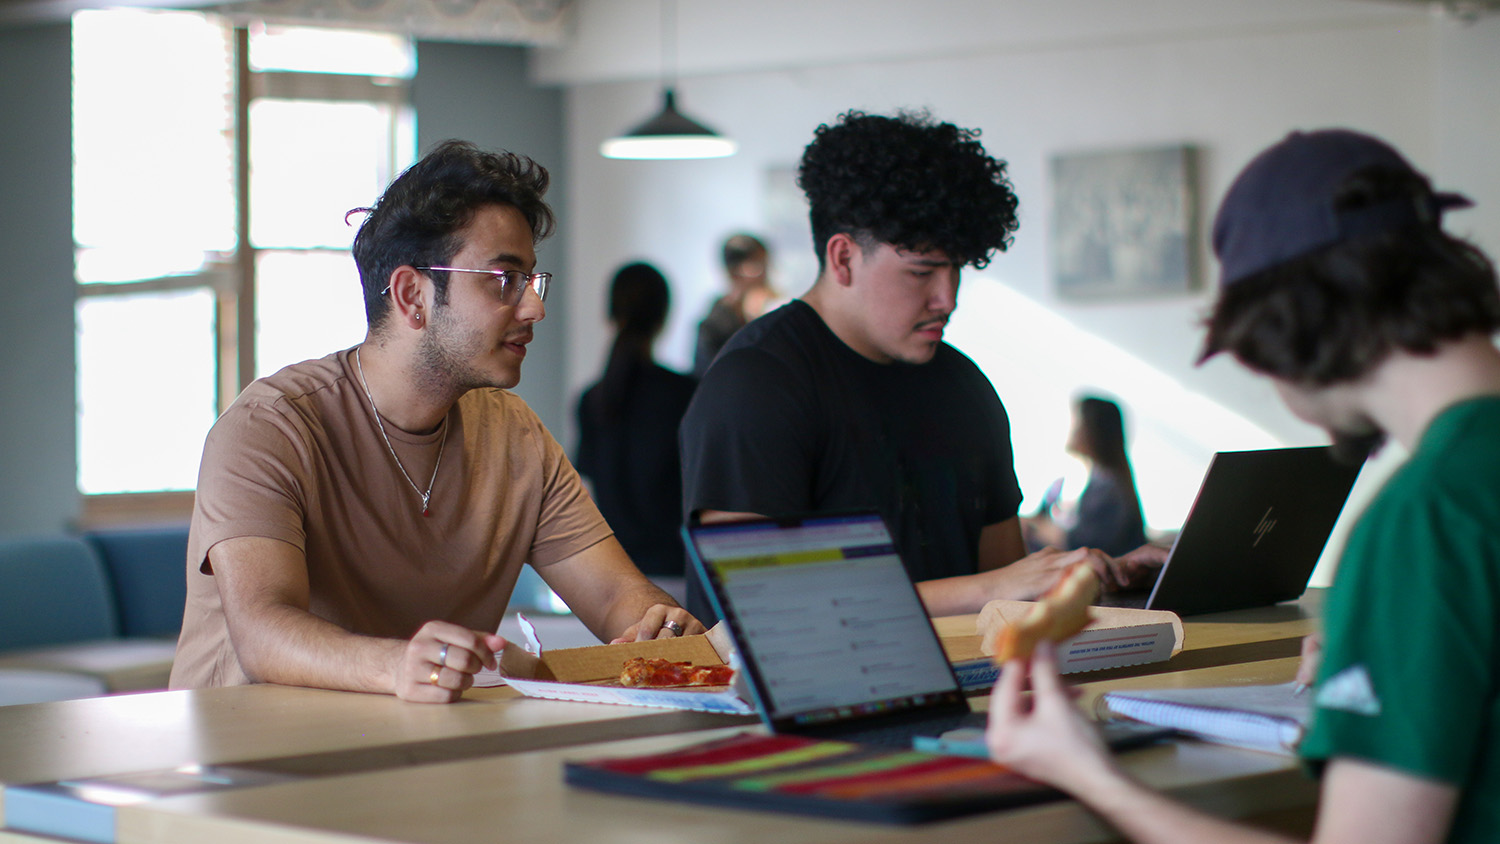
(748, 439)
(747, 447)
(1006, 501)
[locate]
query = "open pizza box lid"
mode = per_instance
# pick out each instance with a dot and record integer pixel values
(589, 674)
(1116, 637)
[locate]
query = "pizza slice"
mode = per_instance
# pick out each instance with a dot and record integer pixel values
(712, 675)
(656, 672)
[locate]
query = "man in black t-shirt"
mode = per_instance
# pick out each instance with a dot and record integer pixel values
(848, 398)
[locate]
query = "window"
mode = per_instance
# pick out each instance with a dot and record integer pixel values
(209, 219)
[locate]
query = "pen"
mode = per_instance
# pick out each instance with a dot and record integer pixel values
(1298, 689)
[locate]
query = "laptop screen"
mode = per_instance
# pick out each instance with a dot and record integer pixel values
(1255, 531)
(828, 622)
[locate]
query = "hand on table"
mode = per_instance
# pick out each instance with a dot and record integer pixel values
(1042, 735)
(661, 621)
(1029, 577)
(1137, 568)
(440, 662)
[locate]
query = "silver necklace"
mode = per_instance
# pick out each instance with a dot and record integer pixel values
(426, 496)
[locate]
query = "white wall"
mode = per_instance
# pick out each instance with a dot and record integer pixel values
(1228, 76)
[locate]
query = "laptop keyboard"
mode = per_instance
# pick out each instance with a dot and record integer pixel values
(901, 733)
(1134, 599)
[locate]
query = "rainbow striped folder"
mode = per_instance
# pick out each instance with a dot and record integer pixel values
(786, 773)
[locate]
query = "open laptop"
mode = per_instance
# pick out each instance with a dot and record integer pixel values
(834, 640)
(1254, 533)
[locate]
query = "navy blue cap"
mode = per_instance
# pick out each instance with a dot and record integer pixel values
(1281, 206)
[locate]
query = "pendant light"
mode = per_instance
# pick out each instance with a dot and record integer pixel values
(669, 133)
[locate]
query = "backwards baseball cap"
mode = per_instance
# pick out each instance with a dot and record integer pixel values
(1281, 206)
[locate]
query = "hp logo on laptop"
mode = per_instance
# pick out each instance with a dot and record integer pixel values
(1266, 523)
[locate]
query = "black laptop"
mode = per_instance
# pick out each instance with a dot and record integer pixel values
(834, 640)
(1254, 533)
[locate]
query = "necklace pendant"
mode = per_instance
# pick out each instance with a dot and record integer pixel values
(380, 426)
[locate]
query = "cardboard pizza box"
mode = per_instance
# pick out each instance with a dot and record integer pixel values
(1115, 637)
(589, 674)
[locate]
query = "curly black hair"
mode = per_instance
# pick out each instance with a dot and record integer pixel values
(1333, 315)
(418, 219)
(909, 182)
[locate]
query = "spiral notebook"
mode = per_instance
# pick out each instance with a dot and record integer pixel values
(1270, 718)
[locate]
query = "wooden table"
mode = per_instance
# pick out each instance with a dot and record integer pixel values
(381, 769)
(521, 798)
(303, 731)
(1228, 638)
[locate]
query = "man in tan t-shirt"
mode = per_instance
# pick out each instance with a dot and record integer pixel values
(360, 520)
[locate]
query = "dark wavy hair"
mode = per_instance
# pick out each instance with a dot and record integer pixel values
(418, 219)
(1102, 423)
(639, 299)
(1335, 314)
(909, 182)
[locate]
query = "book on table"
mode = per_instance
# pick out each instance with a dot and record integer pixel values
(1270, 718)
(83, 808)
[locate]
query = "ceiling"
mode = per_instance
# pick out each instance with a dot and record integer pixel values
(526, 22)
(1461, 9)
(529, 22)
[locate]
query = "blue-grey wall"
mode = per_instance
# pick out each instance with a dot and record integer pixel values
(38, 486)
(480, 93)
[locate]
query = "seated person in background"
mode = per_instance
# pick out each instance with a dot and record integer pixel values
(848, 398)
(360, 520)
(627, 427)
(1340, 285)
(747, 263)
(1107, 514)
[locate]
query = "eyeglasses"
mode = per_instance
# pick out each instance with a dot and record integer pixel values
(513, 283)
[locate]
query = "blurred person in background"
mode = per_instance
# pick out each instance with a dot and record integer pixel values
(747, 263)
(627, 427)
(1106, 514)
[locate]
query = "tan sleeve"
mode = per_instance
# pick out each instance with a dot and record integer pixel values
(569, 522)
(251, 481)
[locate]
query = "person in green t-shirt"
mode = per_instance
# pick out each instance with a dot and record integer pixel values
(1340, 285)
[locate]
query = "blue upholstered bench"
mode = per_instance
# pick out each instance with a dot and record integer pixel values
(99, 612)
(147, 574)
(54, 590)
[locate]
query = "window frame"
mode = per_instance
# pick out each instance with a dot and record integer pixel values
(232, 276)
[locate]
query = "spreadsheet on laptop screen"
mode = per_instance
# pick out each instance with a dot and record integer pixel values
(829, 616)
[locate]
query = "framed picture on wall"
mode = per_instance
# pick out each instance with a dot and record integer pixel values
(788, 233)
(1124, 223)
